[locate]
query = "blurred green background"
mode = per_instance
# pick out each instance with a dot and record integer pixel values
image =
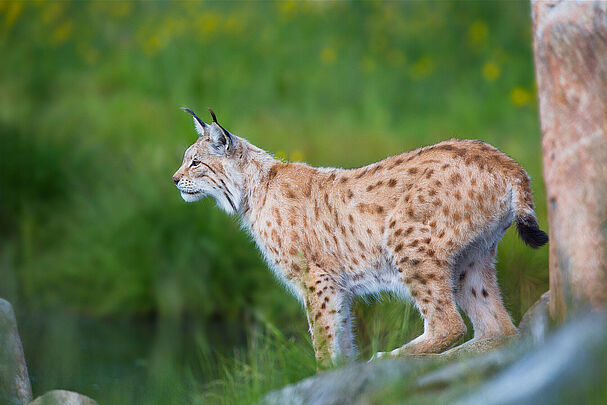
(126, 293)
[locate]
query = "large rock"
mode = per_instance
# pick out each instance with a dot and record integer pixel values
(346, 385)
(62, 397)
(15, 388)
(359, 383)
(478, 346)
(570, 367)
(536, 322)
(456, 372)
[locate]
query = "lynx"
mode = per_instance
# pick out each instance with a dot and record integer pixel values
(424, 225)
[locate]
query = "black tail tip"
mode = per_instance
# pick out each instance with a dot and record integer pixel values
(530, 232)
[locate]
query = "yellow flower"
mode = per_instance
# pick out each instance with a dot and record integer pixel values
(62, 32)
(520, 96)
(477, 33)
(281, 155)
(207, 23)
(422, 68)
(52, 11)
(491, 71)
(152, 45)
(297, 156)
(328, 55)
(120, 9)
(12, 13)
(286, 8)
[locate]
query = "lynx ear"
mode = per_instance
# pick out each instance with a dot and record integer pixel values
(221, 139)
(201, 127)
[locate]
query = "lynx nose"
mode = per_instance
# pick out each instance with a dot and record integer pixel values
(176, 179)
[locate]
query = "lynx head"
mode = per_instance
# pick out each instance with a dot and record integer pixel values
(211, 166)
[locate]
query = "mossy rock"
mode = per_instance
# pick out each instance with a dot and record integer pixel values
(570, 366)
(536, 322)
(15, 388)
(62, 397)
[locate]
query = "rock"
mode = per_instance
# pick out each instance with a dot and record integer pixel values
(570, 367)
(15, 388)
(345, 385)
(536, 321)
(478, 346)
(358, 383)
(456, 372)
(62, 397)
(467, 349)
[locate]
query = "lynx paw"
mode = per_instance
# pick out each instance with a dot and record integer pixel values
(383, 355)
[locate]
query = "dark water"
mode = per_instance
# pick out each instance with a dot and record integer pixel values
(122, 358)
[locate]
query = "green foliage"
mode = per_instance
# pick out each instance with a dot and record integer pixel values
(269, 361)
(90, 134)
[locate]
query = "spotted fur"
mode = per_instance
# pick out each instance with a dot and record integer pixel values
(424, 224)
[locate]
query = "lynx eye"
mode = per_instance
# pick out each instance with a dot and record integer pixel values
(195, 162)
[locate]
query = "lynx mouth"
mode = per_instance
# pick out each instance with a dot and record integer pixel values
(191, 196)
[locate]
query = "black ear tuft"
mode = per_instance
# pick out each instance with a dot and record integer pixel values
(213, 116)
(200, 122)
(186, 109)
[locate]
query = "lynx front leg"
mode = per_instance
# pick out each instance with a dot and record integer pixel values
(346, 346)
(329, 329)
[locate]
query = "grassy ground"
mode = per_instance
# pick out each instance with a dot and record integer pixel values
(90, 134)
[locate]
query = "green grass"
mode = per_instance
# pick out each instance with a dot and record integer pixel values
(90, 134)
(270, 360)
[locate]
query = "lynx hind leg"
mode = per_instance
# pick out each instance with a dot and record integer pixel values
(477, 293)
(428, 279)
